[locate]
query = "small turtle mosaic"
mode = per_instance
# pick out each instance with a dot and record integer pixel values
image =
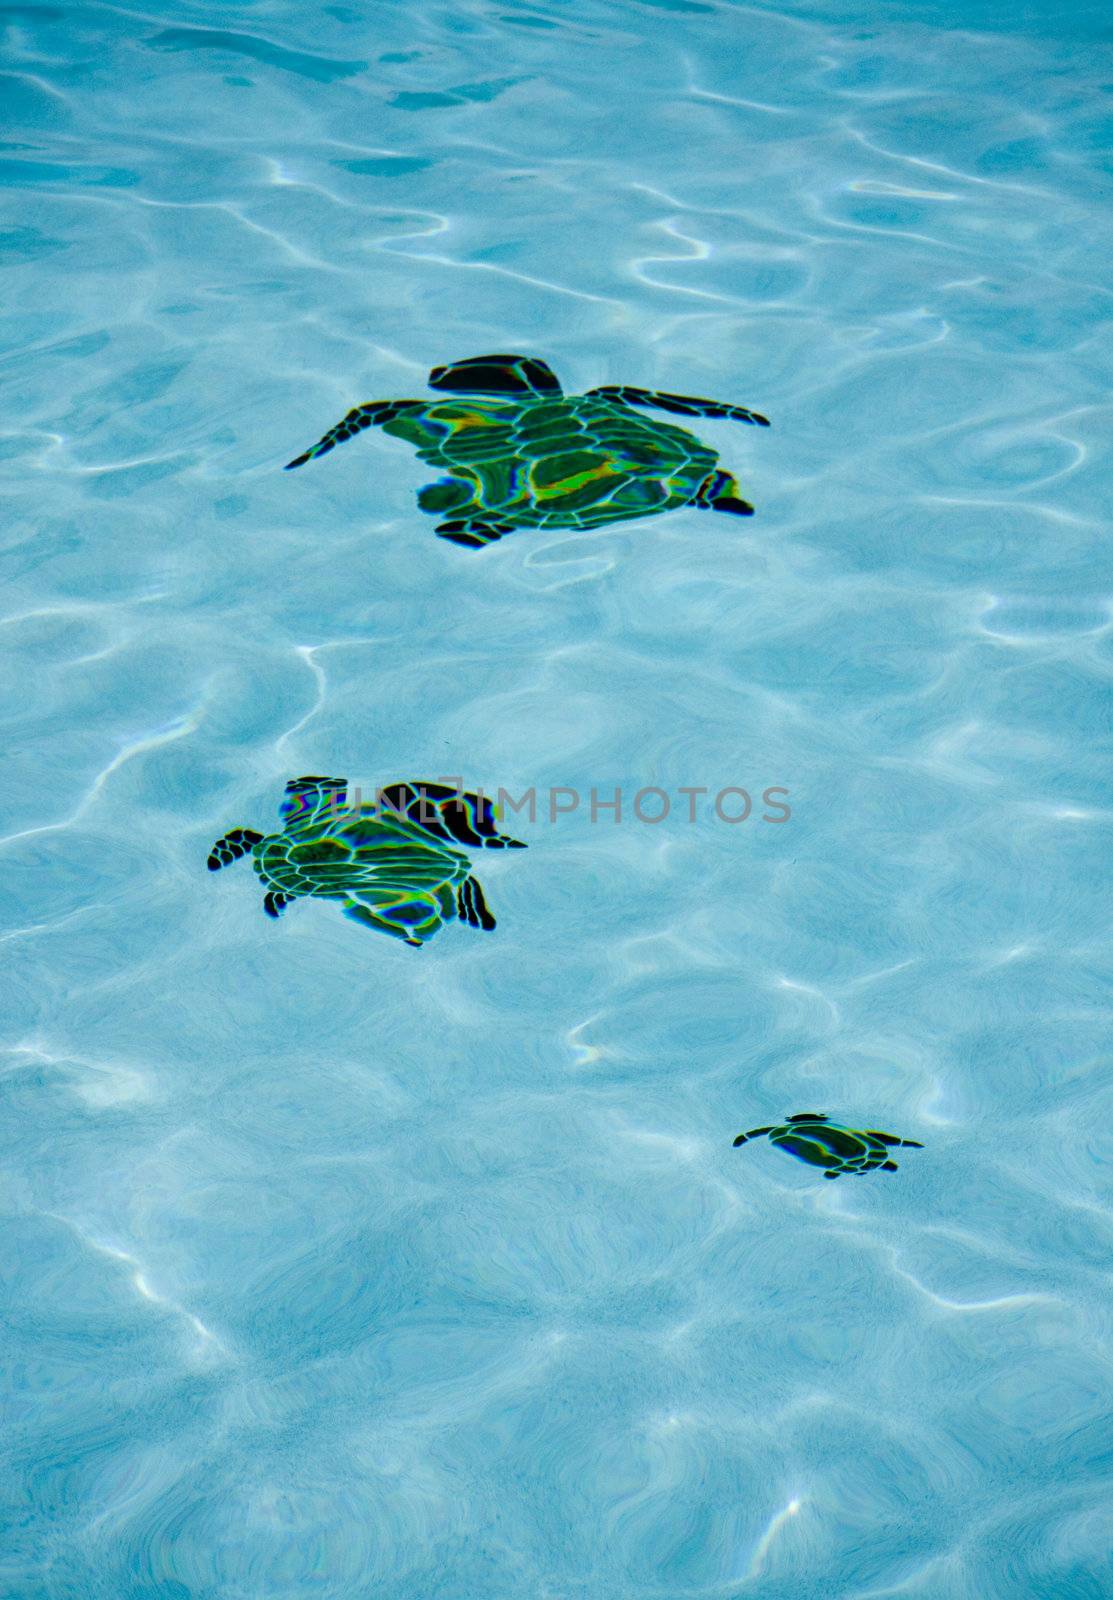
(391, 864)
(811, 1136)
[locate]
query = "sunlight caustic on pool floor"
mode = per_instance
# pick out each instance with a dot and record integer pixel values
(338, 1268)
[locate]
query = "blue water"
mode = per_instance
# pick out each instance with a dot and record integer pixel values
(335, 1270)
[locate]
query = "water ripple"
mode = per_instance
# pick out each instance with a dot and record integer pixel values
(332, 1268)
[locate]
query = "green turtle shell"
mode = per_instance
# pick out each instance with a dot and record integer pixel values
(403, 879)
(577, 462)
(828, 1145)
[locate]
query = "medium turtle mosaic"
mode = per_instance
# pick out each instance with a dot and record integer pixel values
(390, 864)
(812, 1137)
(519, 453)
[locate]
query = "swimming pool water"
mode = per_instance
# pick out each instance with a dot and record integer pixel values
(334, 1269)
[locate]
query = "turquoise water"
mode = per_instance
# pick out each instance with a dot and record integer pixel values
(334, 1269)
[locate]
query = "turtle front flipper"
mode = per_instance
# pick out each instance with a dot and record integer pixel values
(754, 1133)
(891, 1138)
(275, 902)
(231, 847)
(683, 405)
(449, 814)
(372, 415)
(719, 492)
(471, 907)
(474, 533)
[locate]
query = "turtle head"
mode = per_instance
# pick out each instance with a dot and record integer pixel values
(508, 375)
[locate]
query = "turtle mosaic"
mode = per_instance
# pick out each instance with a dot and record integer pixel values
(812, 1137)
(391, 864)
(519, 453)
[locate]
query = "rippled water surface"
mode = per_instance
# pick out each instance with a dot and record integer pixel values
(339, 1270)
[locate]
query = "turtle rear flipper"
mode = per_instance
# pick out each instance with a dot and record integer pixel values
(275, 903)
(683, 405)
(374, 414)
(719, 492)
(231, 847)
(474, 533)
(472, 908)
